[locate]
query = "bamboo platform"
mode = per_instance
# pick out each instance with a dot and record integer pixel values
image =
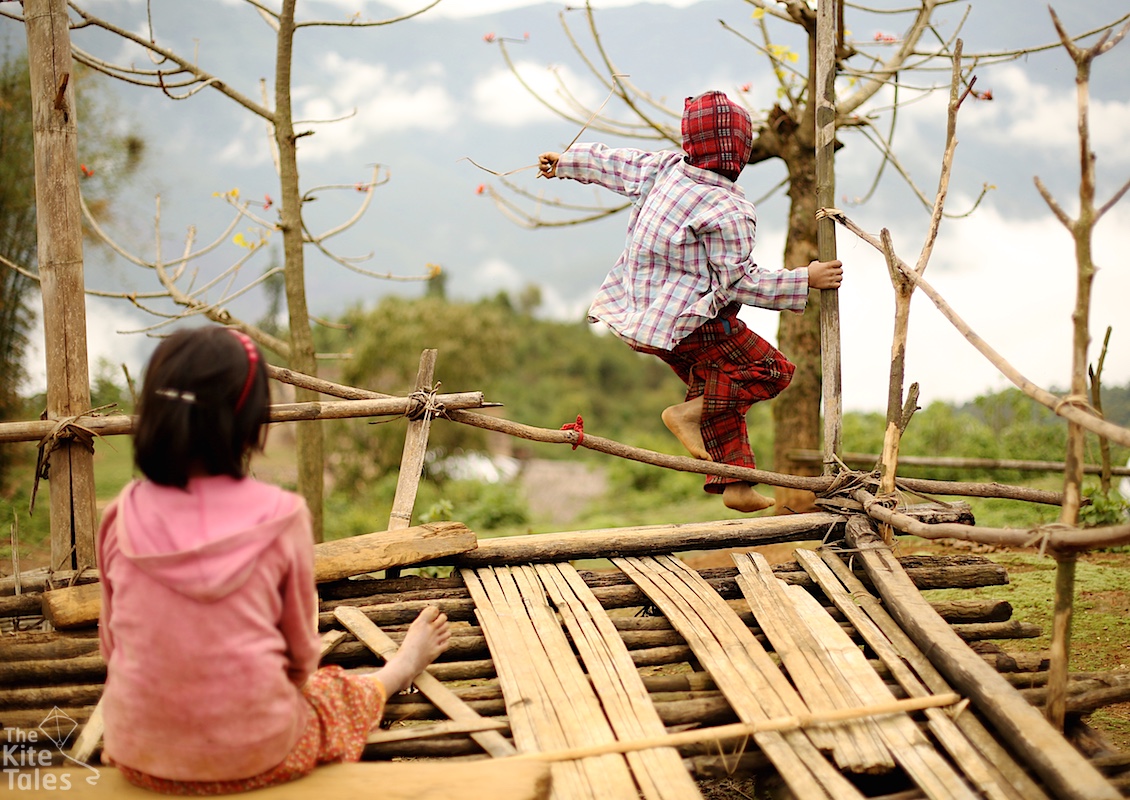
(647, 678)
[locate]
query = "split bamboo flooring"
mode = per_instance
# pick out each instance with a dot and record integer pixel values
(569, 683)
(639, 681)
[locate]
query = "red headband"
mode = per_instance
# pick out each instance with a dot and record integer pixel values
(252, 363)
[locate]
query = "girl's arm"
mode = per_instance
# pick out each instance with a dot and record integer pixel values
(299, 622)
(106, 549)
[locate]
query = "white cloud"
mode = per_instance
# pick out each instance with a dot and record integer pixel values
(1011, 280)
(474, 8)
(500, 98)
(104, 321)
(248, 147)
(1043, 117)
(495, 274)
(369, 99)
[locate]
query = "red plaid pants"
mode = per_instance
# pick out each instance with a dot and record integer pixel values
(732, 368)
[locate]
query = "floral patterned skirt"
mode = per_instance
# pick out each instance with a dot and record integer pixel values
(345, 708)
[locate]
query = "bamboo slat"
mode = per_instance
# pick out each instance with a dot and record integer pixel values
(742, 669)
(1065, 771)
(856, 746)
(914, 753)
(987, 764)
(612, 776)
(542, 684)
(659, 772)
(379, 642)
(912, 750)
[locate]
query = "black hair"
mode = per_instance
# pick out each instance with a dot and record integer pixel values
(190, 415)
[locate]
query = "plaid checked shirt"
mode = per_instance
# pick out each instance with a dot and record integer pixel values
(689, 249)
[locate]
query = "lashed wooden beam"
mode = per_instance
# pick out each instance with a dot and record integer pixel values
(1066, 772)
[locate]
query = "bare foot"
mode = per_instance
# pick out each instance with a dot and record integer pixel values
(427, 637)
(742, 497)
(684, 420)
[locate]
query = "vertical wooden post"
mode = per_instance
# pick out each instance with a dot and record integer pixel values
(825, 98)
(1081, 229)
(415, 448)
(1055, 708)
(59, 231)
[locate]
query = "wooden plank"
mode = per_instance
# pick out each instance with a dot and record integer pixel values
(406, 733)
(402, 780)
(729, 651)
(78, 606)
(72, 606)
(659, 772)
(647, 539)
(587, 724)
(856, 746)
(1065, 771)
(415, 448)
(372, 552)
(527, 704)
(863, 686)
(988, 765)
(441, 697)
(330, 640)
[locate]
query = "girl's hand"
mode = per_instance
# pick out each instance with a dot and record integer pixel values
(547, 165)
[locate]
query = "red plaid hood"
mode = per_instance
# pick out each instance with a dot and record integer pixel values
(717, 134)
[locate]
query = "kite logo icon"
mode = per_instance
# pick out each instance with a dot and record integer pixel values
(30, 764)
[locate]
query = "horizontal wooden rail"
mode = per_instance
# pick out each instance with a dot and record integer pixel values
(950, 462)
(122, 424)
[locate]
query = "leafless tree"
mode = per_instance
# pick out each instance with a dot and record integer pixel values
(179, 278)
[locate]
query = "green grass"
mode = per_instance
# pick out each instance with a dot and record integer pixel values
(113, 468)
(1100, 627)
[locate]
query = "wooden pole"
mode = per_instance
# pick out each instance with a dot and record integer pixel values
(868, 461)
(380, 406)
(415, 447)
(744, 729)
(1063, 769)
(1081, 230)
(826, 37)
(59, 230)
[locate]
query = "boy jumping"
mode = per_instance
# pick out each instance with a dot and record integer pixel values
(686, 270)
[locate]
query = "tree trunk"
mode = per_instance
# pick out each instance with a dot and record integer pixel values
(59, 232)
(796, 411)
(308, 435)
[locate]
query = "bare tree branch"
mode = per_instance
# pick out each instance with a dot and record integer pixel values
(1063, 407)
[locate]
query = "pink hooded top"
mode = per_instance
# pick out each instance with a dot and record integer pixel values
(208, 626)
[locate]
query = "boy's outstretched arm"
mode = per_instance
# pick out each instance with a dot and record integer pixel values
(547, 165)
(825, 274)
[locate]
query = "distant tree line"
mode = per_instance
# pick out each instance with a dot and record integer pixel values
(547, 372)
